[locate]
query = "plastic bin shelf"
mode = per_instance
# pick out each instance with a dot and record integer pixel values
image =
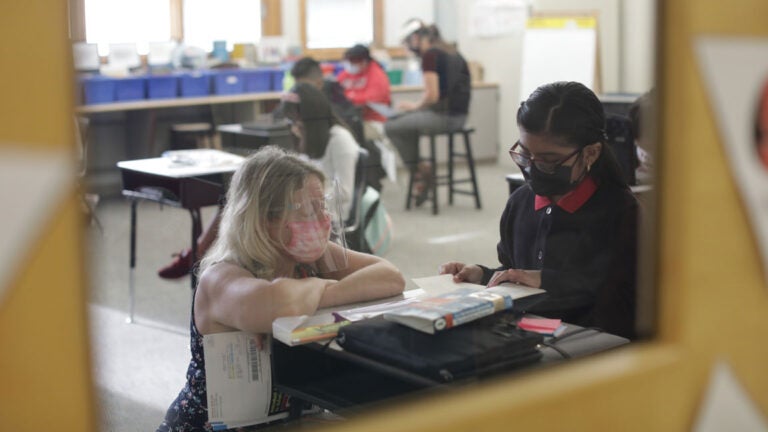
(257, 80)
(97, 90)
(162, 86)
(131, 88)
(194, 84)
(227, 82)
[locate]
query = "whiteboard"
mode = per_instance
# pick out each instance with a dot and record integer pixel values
(559, 49)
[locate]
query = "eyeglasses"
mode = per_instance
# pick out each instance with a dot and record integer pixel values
(522, 157)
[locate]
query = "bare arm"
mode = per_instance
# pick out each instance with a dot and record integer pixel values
(366, 277)
(229, 298)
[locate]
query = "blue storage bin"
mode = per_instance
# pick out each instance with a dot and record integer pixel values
(227, 82)
(162, 86)
(98, 89)
(257, 80)
(128, 89)
(194, 84)
(277, 79)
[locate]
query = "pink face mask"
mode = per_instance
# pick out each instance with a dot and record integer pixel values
(309, 239)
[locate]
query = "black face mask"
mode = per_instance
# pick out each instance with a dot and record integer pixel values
(544, 184)
(414, 49)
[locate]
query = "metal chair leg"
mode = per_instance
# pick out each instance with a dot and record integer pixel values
(132, 264)
(197, 229)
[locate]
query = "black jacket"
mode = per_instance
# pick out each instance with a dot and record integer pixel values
(588, 258)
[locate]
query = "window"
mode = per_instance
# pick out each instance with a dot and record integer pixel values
(234, 21)
(127, 21)
(328, 27)
(196, 22)
(322, 23)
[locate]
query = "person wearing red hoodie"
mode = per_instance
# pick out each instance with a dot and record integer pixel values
(364, 81)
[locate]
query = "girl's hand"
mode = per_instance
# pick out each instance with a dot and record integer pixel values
(531, 278)
(462, 272)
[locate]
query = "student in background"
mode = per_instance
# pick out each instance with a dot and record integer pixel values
(365, 81)
(572, 230)
(639, 113)
(272, 258)
(320, 136)
(308, 70)
(443, 106)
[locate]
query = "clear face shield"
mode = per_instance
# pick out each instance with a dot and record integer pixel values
(313, 230)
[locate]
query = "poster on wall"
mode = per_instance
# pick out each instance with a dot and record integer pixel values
(735, 71)
(492, 18)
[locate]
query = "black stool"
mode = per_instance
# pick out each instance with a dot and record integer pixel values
(448, 179)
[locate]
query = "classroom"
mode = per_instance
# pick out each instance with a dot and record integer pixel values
(384, 215)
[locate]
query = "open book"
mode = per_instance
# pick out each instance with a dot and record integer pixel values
(325, 323)
(458, 306)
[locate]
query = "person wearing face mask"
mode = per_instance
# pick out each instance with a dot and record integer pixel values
(443, 106)
(364, 81)
(320, 136)
(572, 230)
(272, 258)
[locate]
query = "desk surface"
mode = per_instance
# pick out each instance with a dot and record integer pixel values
(329, 376)
(186, 163)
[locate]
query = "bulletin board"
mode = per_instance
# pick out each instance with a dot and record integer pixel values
(560, 48)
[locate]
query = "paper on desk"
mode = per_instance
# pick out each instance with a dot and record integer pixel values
(239, 381)
(201, 158)
(444, 283)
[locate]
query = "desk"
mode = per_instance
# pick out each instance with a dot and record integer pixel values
(344, 382)
(190, 179)
(243, 140)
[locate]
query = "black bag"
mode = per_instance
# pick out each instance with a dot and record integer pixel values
(475, 349)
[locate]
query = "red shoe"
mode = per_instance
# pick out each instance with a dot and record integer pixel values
(179, 267)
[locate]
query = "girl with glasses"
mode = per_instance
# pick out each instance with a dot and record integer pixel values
(572, 230)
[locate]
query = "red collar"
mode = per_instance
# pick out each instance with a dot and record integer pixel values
(571, 201)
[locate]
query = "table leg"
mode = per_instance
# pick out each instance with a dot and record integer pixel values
(132, 264)
(197, 229)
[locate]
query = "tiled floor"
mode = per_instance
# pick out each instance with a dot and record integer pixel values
(139, 368)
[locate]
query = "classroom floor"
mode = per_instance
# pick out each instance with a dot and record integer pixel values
(139, 368)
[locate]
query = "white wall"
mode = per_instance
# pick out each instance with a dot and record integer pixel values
(638, 50)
